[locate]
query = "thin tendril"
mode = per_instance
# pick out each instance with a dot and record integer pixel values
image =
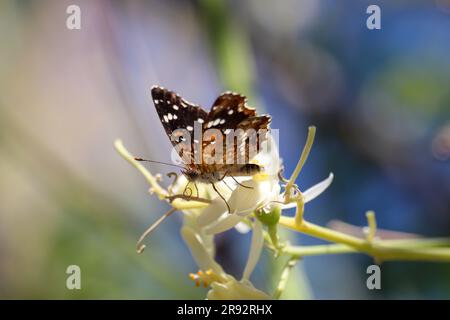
(139, 246)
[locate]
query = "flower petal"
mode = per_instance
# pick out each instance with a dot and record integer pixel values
(312, 192)
(198, 250)
(242, 227)
(224, 224)
(255, 249)
(236, 290)
(212, 212)
(317, 189)
(269, 157)
(248, 196)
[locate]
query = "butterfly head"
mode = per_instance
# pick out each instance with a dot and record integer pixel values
(191, 175)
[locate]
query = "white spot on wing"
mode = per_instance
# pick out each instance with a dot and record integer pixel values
(189, 128)
(170, 116)
(175, 107)
(230, 112)
(200, 120)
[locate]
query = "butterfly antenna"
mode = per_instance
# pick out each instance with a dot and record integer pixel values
(159, 162)
(139, 246)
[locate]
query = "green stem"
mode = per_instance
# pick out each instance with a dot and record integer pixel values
(301, 161)
(381, 250)
(302, 251)
(284, 277)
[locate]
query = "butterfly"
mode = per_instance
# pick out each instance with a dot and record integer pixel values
(228, 114)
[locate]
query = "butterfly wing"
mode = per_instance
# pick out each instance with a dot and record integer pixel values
(177, 113)
(230, 112)
(261, 125)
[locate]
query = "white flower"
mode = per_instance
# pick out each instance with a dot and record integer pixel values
(248, 195)
(260, 192)
(258, 195)
(255, 249)
(223, 286)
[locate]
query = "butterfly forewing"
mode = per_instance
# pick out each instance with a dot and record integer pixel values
(177, 113)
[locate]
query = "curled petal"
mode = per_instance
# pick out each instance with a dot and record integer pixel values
(312, 192)
(255, 249)
(317, 189)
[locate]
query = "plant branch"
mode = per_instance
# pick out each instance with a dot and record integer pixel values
(155, 187)
(301, 162)
(284, 277)
(382, 250)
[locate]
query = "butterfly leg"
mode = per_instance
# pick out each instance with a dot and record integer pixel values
(225, 183)
(223, 180)
(196, 189)
(240, 183)
(187, 188)
(224, 175)
(217, 191)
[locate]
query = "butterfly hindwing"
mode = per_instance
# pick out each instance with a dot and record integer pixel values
(230, 112)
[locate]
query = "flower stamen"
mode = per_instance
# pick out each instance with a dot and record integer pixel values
(206, 278)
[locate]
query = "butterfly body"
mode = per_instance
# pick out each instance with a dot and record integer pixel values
(228, 113)
(248, 169)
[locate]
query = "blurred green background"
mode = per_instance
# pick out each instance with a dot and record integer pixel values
(380, 100)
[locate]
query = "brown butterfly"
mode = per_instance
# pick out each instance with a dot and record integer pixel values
(229, 114)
